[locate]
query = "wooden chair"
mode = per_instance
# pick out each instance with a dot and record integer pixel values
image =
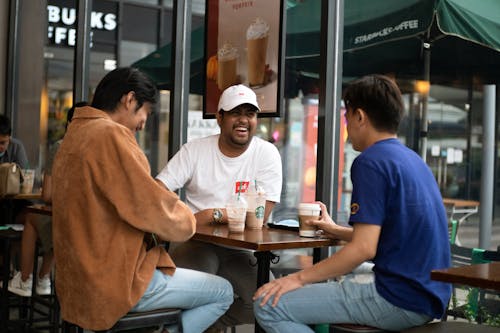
(168, 318)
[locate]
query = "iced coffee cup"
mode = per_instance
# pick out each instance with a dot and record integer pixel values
(236, 210)
(308, 211)
(256, 200)
(257, 36)
(227, 58)
(28, 181)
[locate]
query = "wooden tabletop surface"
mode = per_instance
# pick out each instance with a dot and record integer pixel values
(485, 276)
(460, 202)
(42, 209)
(265, 239)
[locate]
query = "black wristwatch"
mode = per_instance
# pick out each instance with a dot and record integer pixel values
(217, 215)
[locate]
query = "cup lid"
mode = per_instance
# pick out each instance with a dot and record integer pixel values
(309, 206)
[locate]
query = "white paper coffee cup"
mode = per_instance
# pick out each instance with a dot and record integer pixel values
(308, 211)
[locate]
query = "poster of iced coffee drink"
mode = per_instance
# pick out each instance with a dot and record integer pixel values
(243, 46)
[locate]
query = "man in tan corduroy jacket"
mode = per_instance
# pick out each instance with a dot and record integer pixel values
(106, 204)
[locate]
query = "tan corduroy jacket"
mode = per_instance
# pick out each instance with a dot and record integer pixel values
(104, 203)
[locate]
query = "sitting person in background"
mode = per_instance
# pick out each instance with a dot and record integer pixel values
(11, 149)
(398, 220)
(38, 227)
(110, 214)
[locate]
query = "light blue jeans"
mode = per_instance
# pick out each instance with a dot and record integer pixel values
(334, 302)
(203, 297)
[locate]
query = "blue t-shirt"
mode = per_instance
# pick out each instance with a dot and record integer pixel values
(394, 188)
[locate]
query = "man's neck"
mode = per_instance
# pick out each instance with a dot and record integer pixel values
(378, 136)
(232, 150)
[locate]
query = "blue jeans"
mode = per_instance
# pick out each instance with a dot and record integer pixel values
(334, 302)
(203, 297)
(237, 266)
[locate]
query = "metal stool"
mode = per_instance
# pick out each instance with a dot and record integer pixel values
(47, 307)
(170, 318)
(7, 237)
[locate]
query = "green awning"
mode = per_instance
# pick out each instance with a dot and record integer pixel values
(388, 36)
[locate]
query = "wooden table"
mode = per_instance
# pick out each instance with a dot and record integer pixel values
(484, 276)
(459, 206)
(28, 196)
(262, 242)
(462, 208)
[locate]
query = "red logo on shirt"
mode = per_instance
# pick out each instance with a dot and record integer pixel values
(241, 186)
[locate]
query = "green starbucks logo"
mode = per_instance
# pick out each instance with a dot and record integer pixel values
(259, 212)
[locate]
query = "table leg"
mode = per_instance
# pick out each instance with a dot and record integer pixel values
(4, 312)
(263, 267)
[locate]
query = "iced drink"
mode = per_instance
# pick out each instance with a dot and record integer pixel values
(236, 210)
(257, 36)
(308, 211)
(227, 57)
(256, 199)
(28, 181)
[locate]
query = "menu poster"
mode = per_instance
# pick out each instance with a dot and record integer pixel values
(243, 46)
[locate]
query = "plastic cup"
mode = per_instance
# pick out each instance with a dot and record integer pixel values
(236, 213)
(308, 211)
(28, 181)
(256, 200)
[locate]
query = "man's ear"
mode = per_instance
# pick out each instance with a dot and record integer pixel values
(128, 99)
(219, 116)
(361, 114)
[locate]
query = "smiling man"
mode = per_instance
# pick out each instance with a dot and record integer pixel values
(108, 213)
(211, 169)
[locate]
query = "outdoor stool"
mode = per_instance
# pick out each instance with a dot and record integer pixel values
(348, 328)
(43, 308)
(169, 317)
(452, 327)
(7, 238)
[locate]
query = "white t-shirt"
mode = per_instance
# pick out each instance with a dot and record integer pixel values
(209, 177)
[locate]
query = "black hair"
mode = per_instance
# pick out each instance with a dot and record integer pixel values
(71, 111)
(379, 97)
(120, 82)
(5, 128)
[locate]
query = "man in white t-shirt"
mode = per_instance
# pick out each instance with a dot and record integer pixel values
(210, 170)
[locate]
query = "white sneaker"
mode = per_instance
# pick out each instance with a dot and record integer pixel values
(43, 285)
(20, 287)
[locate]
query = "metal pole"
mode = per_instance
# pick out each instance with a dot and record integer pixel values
(81, 67)
(12, 70)
(487, 167)
(425, 98)
(181, 66)
(330, 83)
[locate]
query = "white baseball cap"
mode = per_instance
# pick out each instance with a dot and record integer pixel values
(235, 96)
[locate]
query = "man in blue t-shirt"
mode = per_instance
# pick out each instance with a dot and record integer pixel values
(398, 221)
